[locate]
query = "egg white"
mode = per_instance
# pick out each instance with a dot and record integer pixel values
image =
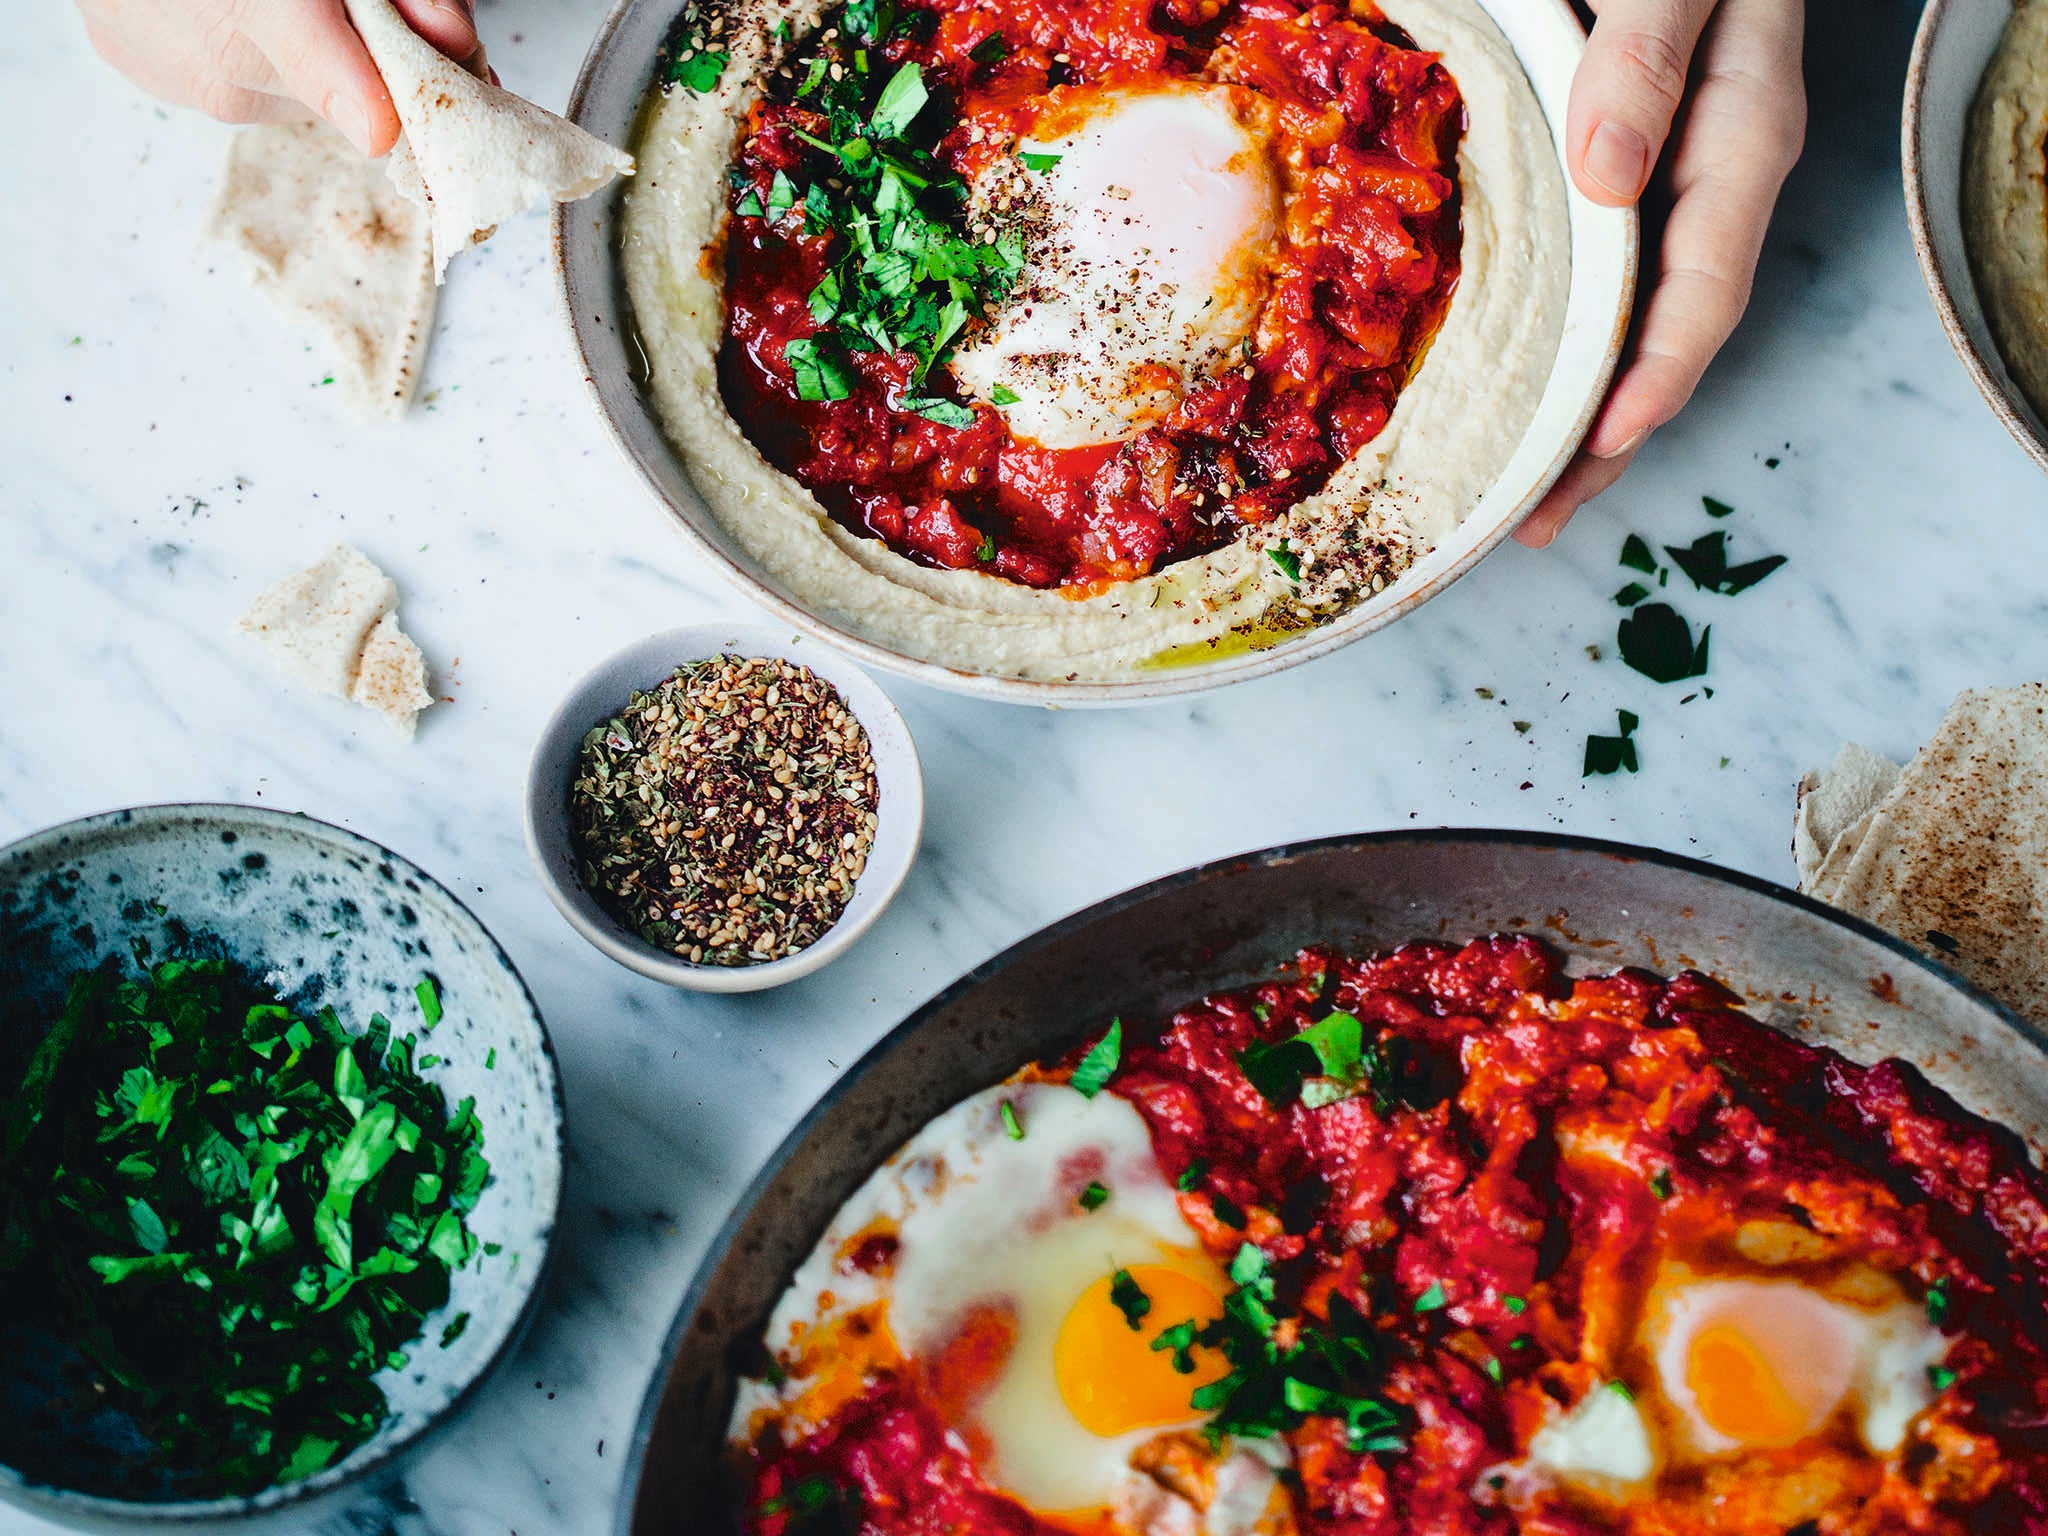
(1148, 227)
(983, 1219)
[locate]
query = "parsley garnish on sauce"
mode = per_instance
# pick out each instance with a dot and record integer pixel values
(1330, 1366)
(237, 1213)
(1100, 1064)
(906, 276)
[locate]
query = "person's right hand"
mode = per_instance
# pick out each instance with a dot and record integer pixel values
(268, 61)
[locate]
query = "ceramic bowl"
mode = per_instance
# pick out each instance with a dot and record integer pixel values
(1950, 51)
(328, 917)
(1549, 40)
(899, 784)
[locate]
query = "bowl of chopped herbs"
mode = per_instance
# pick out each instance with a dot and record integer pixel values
(280, 1160)
(724, 808)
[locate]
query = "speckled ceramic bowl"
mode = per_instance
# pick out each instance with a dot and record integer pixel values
(899, 810)
(328, 917)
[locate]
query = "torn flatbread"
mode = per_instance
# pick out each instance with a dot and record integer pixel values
(1954, 860)
(329, 240)
(334, 626)
(1832, 802)
(473, 154)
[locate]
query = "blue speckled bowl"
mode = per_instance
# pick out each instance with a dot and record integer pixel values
(328, 917)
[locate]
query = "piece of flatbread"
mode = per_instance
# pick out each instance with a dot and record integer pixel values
(334, 626)
(331, 241)
(1954, 860)
(473, 154)
(1831, 803)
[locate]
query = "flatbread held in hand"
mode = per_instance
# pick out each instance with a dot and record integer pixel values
(473, 154)
(331, 241)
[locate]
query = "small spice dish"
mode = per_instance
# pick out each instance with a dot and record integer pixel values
(603, 695)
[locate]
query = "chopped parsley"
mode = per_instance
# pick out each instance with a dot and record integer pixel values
(1705, 560)
(1129, 1298)
(691, 61)
(1610, 754)
(1329, 1367)
(1192, 1176)
(1516, 1305)
(1656, 641)
(1940, 1377)
(238, 1212)
(1286, 561)
(1434, 1299)
(1228, 1211)
(906, 275)
(1002, 394)
(429, 998)
(1100, 1064)
(1037, 162)
(1631, 594)
(1716, 508)
(1011, 1124)
(1635, 554)
(1333, 1049)
(806, 1496)
(1095, 1196)
(1660, 1183)
(1938, 1303)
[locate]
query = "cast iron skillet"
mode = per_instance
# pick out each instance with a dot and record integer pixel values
(1803, 967)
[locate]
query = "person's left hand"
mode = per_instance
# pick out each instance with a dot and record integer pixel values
(1714, 89)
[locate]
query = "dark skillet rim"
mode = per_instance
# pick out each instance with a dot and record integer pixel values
(743, 1209)
(59, 1502)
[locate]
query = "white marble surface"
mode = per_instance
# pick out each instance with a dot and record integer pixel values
(165, 450)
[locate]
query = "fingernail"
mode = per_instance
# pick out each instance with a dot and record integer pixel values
(349, 119)
(1642, 436)
(1618, 160)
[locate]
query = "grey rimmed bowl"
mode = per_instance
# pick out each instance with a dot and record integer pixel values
(1549, 40)
(899, 803)
(328, 917)
(1801, 967)
(1951, 49)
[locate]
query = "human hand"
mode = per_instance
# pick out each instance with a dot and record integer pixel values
(267, 61)
(1712, 88)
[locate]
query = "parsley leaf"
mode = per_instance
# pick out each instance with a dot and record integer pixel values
(1192, 1176)
(900, 102)
(1034, 161)
(1129, 1298)
(1095, 1196)
(1002, 394)
(1100, 1064)
(1610, 754)
(1635, 554)
(1011, 1125)
(1288, 562)
(1721, 508)
(1705, 560)
(822, 370)
(697, 72)
(1656, 641)
(947, 413)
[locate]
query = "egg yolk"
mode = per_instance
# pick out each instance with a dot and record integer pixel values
(1110, 1377)
(1737, 1390)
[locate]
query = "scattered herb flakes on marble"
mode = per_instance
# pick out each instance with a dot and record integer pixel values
(1657, 640)
(236, 1213)
(726, 814)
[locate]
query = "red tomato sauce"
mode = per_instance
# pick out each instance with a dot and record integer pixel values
(1366, 136)
(1451, 1190)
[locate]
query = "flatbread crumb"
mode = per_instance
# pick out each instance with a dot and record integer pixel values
(334, 626)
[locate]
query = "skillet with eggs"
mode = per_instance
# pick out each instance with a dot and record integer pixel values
(1439, 1240)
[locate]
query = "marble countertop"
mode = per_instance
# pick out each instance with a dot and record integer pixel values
(166, 449)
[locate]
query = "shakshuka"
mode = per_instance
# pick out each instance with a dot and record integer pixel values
(1440, 1240)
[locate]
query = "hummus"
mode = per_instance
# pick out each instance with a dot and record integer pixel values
(1452, 430)
(2005, 209)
